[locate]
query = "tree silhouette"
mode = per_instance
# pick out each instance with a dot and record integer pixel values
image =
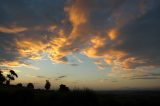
(13, 73)
(2, 78)
(30, 86)
(11, 76)
(47, 85)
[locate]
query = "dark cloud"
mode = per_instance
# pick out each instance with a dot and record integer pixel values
(8, 50)
(31, 12)
(63, 76)
(141, 39)
(145, 78)
(60, 77)
(148, 76)
(43, 77)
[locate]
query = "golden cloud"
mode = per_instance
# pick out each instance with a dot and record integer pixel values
(112, 34)
(54, 50)
(96, 43)
(11, 63)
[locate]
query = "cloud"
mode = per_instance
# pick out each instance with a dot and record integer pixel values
(60, 77)
(148, 76)
(8, 51)
(141, 73)
(43, 77)
(133, 45)
(26, 28)
(12, 29)
(74, 64)
(101, 64)
(143, 41)
(114, 81)
(99, 37)
(124, 33)
(145, 78)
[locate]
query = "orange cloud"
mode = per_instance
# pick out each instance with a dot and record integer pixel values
(30, 49)
(13, 29)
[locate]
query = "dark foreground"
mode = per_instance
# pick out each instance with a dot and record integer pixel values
(24, 96)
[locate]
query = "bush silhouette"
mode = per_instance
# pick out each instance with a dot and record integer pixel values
(19, 85)
(47, 85)
(63, 88)
(30, 86)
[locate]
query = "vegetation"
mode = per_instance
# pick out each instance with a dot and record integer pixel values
(20, 95)
(2, 78)
(11, 76)
(30, 86)
(48, 85)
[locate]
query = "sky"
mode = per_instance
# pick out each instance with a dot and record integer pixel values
(96, 44)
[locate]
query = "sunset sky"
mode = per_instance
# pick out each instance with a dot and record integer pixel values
(96, 44)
